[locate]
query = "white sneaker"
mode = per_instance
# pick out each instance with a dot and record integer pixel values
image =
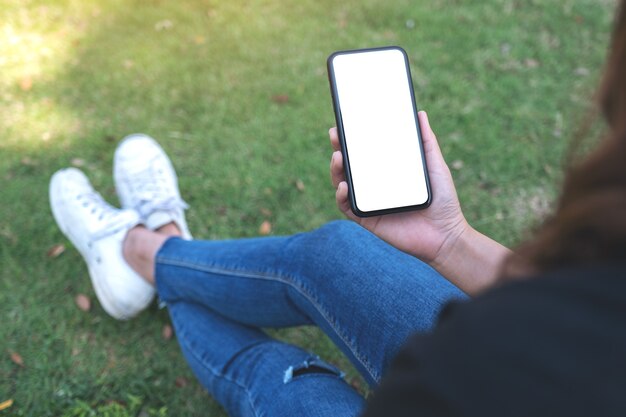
(146, 182)
(97, 230)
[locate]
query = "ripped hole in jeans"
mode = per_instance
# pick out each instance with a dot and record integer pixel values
(311, 366)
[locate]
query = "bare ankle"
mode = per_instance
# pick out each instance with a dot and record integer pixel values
(139, 250)
(129, 244)
(170, 229)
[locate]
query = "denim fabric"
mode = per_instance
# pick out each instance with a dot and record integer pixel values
(367, 296)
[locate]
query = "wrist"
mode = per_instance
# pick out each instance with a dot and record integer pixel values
(455, 239)
(470, 260)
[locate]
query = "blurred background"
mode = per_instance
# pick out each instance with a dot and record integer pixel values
(237, 93)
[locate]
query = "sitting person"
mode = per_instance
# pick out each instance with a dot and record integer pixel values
(544, 333)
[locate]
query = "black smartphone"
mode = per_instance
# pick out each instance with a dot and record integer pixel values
(379, 131)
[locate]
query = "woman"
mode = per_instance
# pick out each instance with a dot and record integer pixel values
(551, 343)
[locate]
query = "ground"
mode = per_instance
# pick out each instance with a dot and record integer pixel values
(236, 92)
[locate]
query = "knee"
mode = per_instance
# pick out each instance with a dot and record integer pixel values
(340, 229)
(332, 239)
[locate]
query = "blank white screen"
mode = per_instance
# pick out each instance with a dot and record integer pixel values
(379, 126)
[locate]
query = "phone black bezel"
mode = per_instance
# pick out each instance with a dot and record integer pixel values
(342, 141)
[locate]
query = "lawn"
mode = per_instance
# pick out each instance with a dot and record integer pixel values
(236, 92)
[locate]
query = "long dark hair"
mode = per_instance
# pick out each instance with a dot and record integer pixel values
(589, 224)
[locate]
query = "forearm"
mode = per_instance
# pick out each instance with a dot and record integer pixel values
(471, 260)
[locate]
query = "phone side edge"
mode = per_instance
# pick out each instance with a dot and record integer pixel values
(340, 132)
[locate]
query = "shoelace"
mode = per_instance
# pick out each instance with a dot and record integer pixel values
(110, 222)
(152, 193)
(168, 204)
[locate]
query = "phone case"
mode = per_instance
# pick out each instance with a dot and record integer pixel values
(340, 131)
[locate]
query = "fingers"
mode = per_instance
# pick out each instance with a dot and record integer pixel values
(428, 136)
(431, 146)
(336, 169)
(338, 176)
(336, 161)
(334, 139)
(341, 197)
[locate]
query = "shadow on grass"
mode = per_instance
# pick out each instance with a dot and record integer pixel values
(236, 92)
(236, 104)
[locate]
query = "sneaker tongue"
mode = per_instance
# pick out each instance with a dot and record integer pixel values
(119, 222)
(169, 205)
(158, 219)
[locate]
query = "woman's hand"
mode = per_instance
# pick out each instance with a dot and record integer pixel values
(439, 234)
(422, 233)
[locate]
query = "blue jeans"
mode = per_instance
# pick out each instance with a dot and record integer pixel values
(367, 296)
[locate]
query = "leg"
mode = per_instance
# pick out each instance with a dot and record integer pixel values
(358, 289)
(251, 374)
(141, 246)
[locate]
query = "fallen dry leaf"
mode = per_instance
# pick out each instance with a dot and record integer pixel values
(181, 382)
(26, 83)
(531, 63)
(389, 34)
(163, 25)
(299, 185)
(78, 162)
(6, 404)
(112, 402)
(16, 358)
(582, 71)
(8, 235)
(548, 169)
(342, 22)
(56, 250)
(27, 162)
(280, 98)
(355, 383)
(167, 332)
(458, 164)
(266, 228)
(83, 302)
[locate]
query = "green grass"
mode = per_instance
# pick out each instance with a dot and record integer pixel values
(506, 83)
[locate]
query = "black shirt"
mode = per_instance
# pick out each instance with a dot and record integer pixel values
(554, 345)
